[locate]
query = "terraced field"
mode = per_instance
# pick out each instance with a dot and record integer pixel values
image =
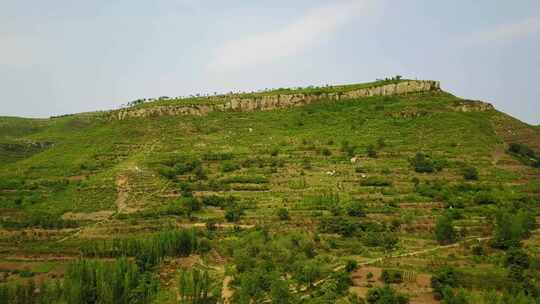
(322, 203)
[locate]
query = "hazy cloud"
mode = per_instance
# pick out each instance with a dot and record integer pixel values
(506, 32)
(292, 39)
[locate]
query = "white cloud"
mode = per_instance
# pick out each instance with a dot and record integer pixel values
(292, 39)
(506, 32)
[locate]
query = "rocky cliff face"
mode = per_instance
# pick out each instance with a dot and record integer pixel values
(270, 102)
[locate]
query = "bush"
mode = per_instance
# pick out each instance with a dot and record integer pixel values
(217, 156)
(233, 213)
(525, 154)
(351, 266)
(392, 276)
(348, 149)
(355, 208)
(229, 166)
(371, 152)
(342, 226)
(218, 201)
(387, 241)
(478, 250)
(423, 163)
(191, 204)
(283, 214)
(485, 198)
(326, 152)
(385, 295)
(446, 276)
(470, 173)
(274, 152)
(376, 182)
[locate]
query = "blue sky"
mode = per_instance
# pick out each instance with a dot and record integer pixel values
(63, 56)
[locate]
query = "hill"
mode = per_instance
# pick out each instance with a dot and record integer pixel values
(276, 192)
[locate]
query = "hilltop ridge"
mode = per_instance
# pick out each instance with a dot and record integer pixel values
(269, 100)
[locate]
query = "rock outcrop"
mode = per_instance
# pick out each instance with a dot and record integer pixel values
(271, 102)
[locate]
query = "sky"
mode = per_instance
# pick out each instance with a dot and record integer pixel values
(63, 56)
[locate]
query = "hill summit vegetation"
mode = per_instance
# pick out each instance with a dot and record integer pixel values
(392, 195)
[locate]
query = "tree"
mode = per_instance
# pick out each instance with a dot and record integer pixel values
(446, 276)
(197, 287)
(279, 291)
(511, 227)
(444, 230)
(422, 163)
(309, 272)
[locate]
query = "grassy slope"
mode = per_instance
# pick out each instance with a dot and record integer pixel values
(79, 172)
(98, 150)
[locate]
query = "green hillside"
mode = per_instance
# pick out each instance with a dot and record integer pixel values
(315, 204)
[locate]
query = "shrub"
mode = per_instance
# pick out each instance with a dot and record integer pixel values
(233, 213)
(348, 149)
(470, 173)
(326, 152)
(478, 250)
(423, 163)
(355, 208)
(211, 224)
(283, 214)
(387, 241)
(229, 166)
(351, 266)
(371, 152)
(342, 226)
(374, 181)
(485, 198)
(392, 276)
(217, 156)
(385, 295)
(274, 152)
(191, 204)
(218, 201)
(525, 154)
(446, 276)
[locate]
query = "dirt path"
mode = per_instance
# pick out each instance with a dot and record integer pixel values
(122, 189)
(498, 154)
(226, 291)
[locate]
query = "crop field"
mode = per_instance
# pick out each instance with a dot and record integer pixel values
(407, 198)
